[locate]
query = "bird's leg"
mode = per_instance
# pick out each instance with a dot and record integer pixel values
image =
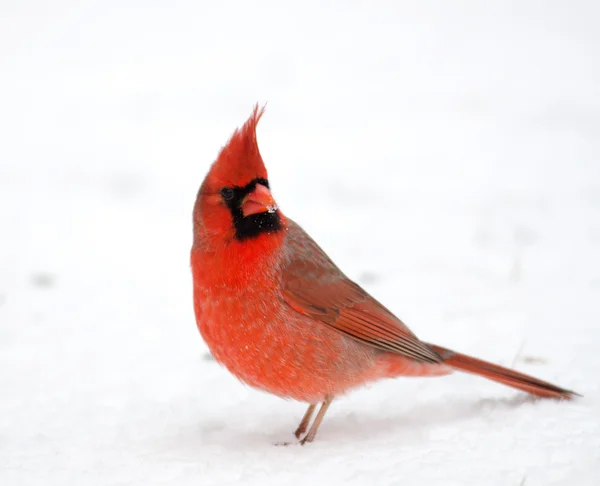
(315, 426)
(305, 421)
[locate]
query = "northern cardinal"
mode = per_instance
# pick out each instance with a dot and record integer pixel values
(281, 316)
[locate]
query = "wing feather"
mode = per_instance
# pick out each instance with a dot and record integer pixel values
(317, 288)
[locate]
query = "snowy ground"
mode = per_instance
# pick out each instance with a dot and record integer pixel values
(446, 155)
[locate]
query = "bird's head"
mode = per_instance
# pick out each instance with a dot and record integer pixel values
(234, 201)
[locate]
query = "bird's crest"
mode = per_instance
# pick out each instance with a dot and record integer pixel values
(239, 161)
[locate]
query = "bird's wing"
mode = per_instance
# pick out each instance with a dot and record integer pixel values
(314, 286)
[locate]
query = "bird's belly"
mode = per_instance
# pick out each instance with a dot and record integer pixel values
(274, 348)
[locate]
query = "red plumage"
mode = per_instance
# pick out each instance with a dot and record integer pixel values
(281, 316)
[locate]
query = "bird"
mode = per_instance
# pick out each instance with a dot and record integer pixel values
(279, 314)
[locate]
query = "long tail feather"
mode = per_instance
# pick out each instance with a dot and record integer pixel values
(502, 375)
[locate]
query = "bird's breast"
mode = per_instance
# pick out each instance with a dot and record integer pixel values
(268, 345)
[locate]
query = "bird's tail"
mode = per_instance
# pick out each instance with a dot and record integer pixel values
(502, 375)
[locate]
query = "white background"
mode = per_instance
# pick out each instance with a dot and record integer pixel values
(445, 154)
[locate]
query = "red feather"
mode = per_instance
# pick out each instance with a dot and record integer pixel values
(281, 316)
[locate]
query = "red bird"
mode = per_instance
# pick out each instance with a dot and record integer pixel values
(281, 316)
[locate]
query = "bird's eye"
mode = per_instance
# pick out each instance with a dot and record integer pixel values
(227, 193)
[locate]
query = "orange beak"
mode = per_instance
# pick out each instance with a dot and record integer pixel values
(259, 200)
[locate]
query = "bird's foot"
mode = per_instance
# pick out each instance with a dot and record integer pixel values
(306, 439)
(300, 430)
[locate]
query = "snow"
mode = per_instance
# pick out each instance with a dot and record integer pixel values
(445, 154)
